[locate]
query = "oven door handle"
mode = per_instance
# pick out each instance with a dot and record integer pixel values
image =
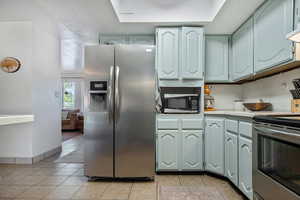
(282, 135)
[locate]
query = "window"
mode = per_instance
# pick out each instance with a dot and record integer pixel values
(69, 95)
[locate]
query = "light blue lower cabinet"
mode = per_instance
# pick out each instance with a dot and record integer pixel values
(245, 166)
(192, 150)
(231, 157)
(167, 150)
(214, 145)
(179, 150)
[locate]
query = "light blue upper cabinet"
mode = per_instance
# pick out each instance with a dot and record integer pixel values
(142, 39)
(272, 22)
(192, 53)
(168, 53)
(242, 51)
(214, 145)
(216, 58)
(113, 39)
(192, 150)
(167, 144)
(245, 167)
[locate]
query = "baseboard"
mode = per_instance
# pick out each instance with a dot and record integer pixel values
(31, 160)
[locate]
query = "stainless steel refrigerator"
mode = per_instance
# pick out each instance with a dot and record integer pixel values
(120, 127)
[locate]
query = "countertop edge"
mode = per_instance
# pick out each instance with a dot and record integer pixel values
(15, 119)
(249, 114)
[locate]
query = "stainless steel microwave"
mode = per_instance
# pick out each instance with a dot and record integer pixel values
(180, 103)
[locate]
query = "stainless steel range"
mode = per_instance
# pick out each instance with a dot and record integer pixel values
(276, 158)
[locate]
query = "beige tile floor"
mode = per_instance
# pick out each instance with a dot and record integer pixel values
(50, 180)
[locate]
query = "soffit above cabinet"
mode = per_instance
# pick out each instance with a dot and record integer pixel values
(89, 18)
(167, 10)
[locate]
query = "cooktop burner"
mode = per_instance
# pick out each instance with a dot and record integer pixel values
(292, 121)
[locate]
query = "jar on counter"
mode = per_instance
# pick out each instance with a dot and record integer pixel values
(238, 105)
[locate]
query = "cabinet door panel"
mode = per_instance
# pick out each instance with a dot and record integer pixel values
(192, 150)
(216, 58)
(242, 51)
(231, 157)
(113, 39)
(167, 150)
(192, 53)
(168, 53)
(214, 145)
(245, 166)
(271, 24)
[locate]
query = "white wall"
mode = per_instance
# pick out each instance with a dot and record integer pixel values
(16, 89)
(274, 89)
(225, 95)
(46, 90)
(16, 92)
(36, 88)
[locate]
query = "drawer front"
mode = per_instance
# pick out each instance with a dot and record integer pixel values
(231, 125)
(167, 124)
(192, 124)
(245, 129)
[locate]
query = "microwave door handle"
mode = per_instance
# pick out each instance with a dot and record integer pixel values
(285, 136)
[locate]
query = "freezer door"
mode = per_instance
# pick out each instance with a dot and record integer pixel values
(98, 124)
(134, 111)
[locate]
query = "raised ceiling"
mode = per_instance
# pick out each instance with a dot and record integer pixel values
(167, 10)
(88, 18)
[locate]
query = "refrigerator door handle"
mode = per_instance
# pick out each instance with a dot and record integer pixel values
(110, 90)
(117, 93)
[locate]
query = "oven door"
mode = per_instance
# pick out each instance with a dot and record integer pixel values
(276, 163)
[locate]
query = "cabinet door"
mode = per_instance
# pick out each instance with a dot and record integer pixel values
(245, 166)
(242, 51)
(168, 53)
(192, 150)
(231, 157)
(216, 58)
(113, 39)
(271, 24)
(167, 149)
(192, 53)
(142, 39)
(214, 145)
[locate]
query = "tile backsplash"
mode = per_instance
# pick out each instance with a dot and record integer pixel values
(225, 95)
(274, 89)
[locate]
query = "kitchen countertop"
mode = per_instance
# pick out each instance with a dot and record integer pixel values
(249, 114)
(15, 119)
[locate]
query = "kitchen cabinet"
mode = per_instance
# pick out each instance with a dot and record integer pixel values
(214, 145)
(272, 21)
(192, 53)
(216, 58)
(192, 152)
(141, 39)
(180, 56)
(179, 145)
(242, 51)
(168, 53)
(127, 39)
(231, 157)
(113, 39)
(168, 141)
(245, 166)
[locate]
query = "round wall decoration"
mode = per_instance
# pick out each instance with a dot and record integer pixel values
(10, 65)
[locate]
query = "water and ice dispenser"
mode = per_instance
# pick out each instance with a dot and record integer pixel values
(98, 96)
